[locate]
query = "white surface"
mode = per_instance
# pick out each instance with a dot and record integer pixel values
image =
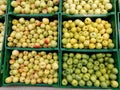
(39, 88)
(33, 88)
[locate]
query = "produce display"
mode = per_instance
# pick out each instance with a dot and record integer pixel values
(33, 33)
(3, 6)
(87, 33)
(97, 70)
(33, 67)
(60, 43)
(1, 34)
(86, 6)
(35, 6)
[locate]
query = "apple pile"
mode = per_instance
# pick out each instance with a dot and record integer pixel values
(3, 6)
(33, 67)
(87, 34)
(89, 70)
(33, 33)
(1, 34)
(35, 6)
(86, 6)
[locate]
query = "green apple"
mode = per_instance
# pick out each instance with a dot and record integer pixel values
(79, 65)
(75, 61)
(84, 69)
(81, 83)
(84, 61)
(74, 82)
(97, 83)
(69, 61)
(103, 84)
(64, 82)
(85, 77)
(69, 78)
(89, 83)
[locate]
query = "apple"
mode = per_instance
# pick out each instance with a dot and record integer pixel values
(37, 45)
(64, 82)
(74, 82)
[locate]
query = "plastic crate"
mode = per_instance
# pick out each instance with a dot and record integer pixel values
(7, 68)
(110, 18)
(7, 6)
(118, 29)
(3, 20)
(10, 17)
(113, 2)
(116, 57)
(10, 8)
(118, 5)
(0, 69)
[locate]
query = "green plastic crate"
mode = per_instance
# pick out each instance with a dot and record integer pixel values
(118, 16)
(7, 6)
(116, 57)
(10, 8)
(10, 17)
(2, 19)
(113, 10)
(111, 18)
(7, 68)
(118, 5)
(0, 69)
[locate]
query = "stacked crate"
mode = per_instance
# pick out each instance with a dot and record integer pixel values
(69, 78)
(118, 20)
(3, 12)
(72, 59)
(13, 16)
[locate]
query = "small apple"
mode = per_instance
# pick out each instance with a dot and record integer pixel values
(38, 23)
(56, 1)
(45, 45)
(37, 45)
(74, 82)
(114, 84)
(33, 6)
(69, 78)
(46, 40)
(64, 82)
(12, 61)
